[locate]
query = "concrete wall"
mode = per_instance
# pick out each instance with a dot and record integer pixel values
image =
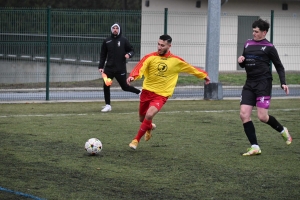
(34, 72)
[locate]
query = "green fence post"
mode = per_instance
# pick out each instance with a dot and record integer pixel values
(271, 38)
(48, 51)
(166, 21)
(271, 33)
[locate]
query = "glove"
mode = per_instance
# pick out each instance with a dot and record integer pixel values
(107, 81)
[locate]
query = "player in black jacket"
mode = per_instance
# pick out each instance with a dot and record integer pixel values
(257, 54)
(114, 51)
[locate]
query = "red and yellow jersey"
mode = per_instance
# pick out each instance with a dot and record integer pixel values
(161, 72)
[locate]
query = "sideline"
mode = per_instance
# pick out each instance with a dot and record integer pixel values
(136, 99)
(134, 113)
(20, 193)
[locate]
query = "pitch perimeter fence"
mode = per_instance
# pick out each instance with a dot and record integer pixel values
(53, 54)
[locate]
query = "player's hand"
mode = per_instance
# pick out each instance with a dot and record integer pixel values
(130, 79)
(101, 70)
(207, 80)
(241, 59)
(127, 56)
(286, 89)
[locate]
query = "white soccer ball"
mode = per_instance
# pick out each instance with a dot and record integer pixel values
(93, 146)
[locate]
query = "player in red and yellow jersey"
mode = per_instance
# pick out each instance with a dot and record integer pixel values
(160, 71)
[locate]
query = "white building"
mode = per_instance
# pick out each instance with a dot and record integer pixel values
(187, 25)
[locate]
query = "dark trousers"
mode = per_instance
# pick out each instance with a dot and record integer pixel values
(121, 78)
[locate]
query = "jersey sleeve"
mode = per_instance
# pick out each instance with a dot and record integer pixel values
(188, 68)
(138, 71)
(198, 72)
(103, 55)
(242, 65)
(129, 48)
(278, 65)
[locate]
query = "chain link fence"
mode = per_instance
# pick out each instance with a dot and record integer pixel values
(53, 54)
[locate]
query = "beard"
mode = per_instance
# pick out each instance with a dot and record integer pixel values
(162, 52)
(115, 33)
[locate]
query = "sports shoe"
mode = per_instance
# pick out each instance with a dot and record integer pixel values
(106, 108)
(134, 144)
(286, 136)
(148, 134)
(252, 151)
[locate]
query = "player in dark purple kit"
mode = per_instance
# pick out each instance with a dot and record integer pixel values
(256, 57)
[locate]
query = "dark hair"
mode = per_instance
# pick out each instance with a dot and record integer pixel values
(263, 25)
(166, 37)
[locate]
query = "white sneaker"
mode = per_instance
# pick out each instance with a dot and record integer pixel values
(253, 150)
(106, 108)
(286, 136)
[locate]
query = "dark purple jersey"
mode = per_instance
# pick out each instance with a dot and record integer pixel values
(258, 55)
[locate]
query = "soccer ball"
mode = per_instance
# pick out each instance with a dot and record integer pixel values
(93, 146)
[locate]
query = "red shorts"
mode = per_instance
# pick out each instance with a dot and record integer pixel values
(148, 99)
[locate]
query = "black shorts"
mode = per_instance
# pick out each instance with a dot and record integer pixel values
(254, 89)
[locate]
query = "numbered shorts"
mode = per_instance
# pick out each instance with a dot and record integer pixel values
(257, 93)
(148, 99)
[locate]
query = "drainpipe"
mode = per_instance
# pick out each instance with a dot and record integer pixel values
(223, 2)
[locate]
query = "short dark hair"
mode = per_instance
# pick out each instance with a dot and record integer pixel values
(166, 37)
(263, 25)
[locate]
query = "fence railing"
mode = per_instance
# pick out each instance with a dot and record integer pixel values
(75, 38)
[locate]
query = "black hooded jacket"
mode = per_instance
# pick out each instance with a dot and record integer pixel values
(113, 51)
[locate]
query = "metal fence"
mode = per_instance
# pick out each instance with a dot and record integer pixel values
(53, 54)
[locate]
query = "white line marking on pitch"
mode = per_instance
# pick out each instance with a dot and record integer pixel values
(164, 112)
(47, 115)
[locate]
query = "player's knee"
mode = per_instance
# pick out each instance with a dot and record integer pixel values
(149, 115)
(141, 118)
(262, 114)
(263, 118)
(244, 115)
(245, 119)
(241, 116)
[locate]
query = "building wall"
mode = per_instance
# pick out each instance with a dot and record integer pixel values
(20, 71)
(242, 6)
(187, 25)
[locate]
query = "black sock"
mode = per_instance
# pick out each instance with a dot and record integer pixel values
(250, 132)
(275, 124)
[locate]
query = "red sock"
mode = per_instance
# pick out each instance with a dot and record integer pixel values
(146, 125)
